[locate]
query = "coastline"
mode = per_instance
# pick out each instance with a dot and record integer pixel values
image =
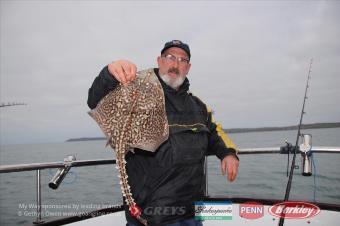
(244, 130)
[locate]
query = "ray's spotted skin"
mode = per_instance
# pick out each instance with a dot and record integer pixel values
(133, 116)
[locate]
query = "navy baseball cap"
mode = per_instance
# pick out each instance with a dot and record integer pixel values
(178, 44)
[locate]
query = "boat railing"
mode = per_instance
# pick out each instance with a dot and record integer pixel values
(57, 179)
(64, 166)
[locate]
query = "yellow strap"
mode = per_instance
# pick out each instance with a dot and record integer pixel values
(187, 125)
(227, 141)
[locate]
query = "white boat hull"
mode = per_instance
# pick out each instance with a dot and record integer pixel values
(324, 218)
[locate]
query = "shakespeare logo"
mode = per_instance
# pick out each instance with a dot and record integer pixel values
(294, 210)
(213, 211)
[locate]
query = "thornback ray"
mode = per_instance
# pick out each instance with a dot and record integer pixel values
(133, 116)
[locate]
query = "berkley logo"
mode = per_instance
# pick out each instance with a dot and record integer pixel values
(294, 210)
(251, 210)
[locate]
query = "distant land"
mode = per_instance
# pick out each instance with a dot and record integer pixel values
(244, 130)
(303, 126)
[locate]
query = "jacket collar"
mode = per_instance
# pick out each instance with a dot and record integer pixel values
(182, 89)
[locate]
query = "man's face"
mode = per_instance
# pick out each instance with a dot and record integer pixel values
(173, 66)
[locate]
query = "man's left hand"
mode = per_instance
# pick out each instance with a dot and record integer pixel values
(229, 165)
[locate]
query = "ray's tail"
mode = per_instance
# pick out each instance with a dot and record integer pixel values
(134, 209)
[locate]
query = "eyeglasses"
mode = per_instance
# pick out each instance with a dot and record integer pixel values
(171, 58)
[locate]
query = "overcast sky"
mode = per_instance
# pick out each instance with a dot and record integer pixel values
(249, 59)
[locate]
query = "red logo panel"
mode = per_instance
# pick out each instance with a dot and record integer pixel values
(251, 210)
(294, 210)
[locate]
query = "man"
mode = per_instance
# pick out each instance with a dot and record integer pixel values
(167, 182)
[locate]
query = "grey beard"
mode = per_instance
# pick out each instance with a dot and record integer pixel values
(173, 83)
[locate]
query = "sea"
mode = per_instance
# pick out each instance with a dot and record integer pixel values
(89, 188)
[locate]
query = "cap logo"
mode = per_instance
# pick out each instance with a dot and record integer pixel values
(176, 42)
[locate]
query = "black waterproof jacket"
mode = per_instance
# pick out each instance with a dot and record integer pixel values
(167, 182)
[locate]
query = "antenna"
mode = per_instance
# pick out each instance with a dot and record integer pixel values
(289, 184)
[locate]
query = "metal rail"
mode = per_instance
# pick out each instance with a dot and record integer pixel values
(277, 150)
(38, 219)
(49, 165)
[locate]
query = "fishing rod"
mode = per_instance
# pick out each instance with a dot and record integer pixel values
(289, 183)
(11, 104)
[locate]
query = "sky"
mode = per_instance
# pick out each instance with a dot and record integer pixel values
(250, 59)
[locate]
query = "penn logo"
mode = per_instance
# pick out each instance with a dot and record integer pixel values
(294, 210)
(251, 210)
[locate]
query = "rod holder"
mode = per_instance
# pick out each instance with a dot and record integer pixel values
(61, 173)
(306, 154)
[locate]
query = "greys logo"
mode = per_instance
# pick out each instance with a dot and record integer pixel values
(168, 210)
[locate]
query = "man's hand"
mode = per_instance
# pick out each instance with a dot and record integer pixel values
(124, 71)
(229, 165)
